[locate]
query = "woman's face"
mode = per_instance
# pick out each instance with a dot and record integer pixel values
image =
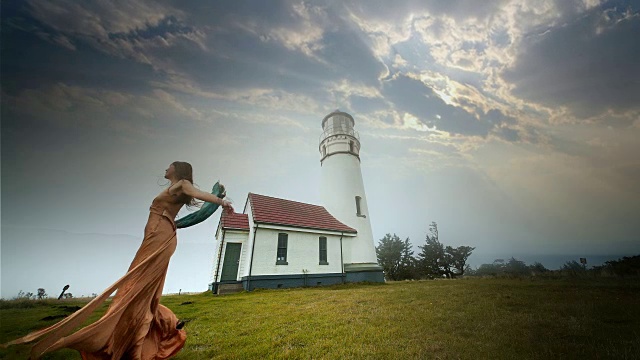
(170, 172)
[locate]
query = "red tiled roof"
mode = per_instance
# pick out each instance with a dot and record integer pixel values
(234, 221)
(270, 210)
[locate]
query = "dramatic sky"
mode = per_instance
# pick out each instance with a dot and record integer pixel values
(515, 125)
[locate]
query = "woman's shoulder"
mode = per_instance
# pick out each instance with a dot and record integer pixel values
(178, 185)
(182, 182)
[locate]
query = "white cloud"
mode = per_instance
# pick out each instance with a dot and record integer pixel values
(304, 34)
(399, 61)
(344, 89)
(409, 121)
(382, 34)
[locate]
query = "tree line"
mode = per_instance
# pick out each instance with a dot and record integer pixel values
(435, 260)
(41, 294)
(510, 268)
(627, 266)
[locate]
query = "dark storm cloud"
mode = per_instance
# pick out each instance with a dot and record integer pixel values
(245, 54)
(242, 54)
(499, 123)
(241, 61)
(589, 64)
(351, 57)
(496, 117)
(217, 47)
(246, 61)
(364, 105)
(508, 134)
(226, 14)
(30, 60)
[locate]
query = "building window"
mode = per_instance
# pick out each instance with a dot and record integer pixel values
(358, 212)
(351, 147)
(324, 150)
(282, 249)
(323, 250)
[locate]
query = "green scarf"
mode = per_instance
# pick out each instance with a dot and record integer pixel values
(205, 211)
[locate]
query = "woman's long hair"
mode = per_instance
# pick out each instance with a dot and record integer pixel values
(184, 171)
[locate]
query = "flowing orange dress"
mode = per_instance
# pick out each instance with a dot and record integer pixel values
(136, 326)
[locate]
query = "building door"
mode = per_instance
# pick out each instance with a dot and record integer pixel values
(231, 262)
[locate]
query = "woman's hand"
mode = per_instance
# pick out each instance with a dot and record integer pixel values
(226, 205)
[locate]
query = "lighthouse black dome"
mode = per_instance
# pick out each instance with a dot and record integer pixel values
(338, 113)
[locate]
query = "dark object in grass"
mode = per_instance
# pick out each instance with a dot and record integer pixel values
(53, 317)
(180, 324)
(187, 303)
(69, 308)
(65, 288)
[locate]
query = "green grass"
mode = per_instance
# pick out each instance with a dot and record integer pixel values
(448, 319)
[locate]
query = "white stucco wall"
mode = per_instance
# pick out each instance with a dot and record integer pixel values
(246, 255)
(302, 253)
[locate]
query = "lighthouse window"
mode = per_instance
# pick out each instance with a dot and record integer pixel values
(282, 249)
(323, 250)
(351, 146)
(324, 150)
(340, 123)
(358, 212)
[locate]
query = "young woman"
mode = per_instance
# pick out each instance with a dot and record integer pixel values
(135, 326)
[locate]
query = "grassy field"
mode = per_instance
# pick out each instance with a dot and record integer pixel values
(446, 319)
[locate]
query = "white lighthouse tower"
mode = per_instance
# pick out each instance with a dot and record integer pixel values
(342, 194)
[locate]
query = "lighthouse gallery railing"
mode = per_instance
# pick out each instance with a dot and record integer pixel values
(331, 131)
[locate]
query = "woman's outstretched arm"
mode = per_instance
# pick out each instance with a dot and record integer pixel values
(185, 187)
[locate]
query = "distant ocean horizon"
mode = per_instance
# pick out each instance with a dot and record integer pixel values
(551, 262)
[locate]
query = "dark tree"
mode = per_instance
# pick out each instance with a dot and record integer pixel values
(468, 270)
(408, 263)
(538, 268)
(396, 257)
(627, 266)
(435, 260)
(487, 270)
(41, 294)
(494, 269)
(431, 259)
(573, 268)
(457, 259)
(515, 267)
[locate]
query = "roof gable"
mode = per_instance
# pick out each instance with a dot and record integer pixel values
(234, 221)
(270, 210)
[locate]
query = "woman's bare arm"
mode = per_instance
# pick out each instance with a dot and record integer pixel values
(185, 187)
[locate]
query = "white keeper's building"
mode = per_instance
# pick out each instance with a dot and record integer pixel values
(279, 243)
